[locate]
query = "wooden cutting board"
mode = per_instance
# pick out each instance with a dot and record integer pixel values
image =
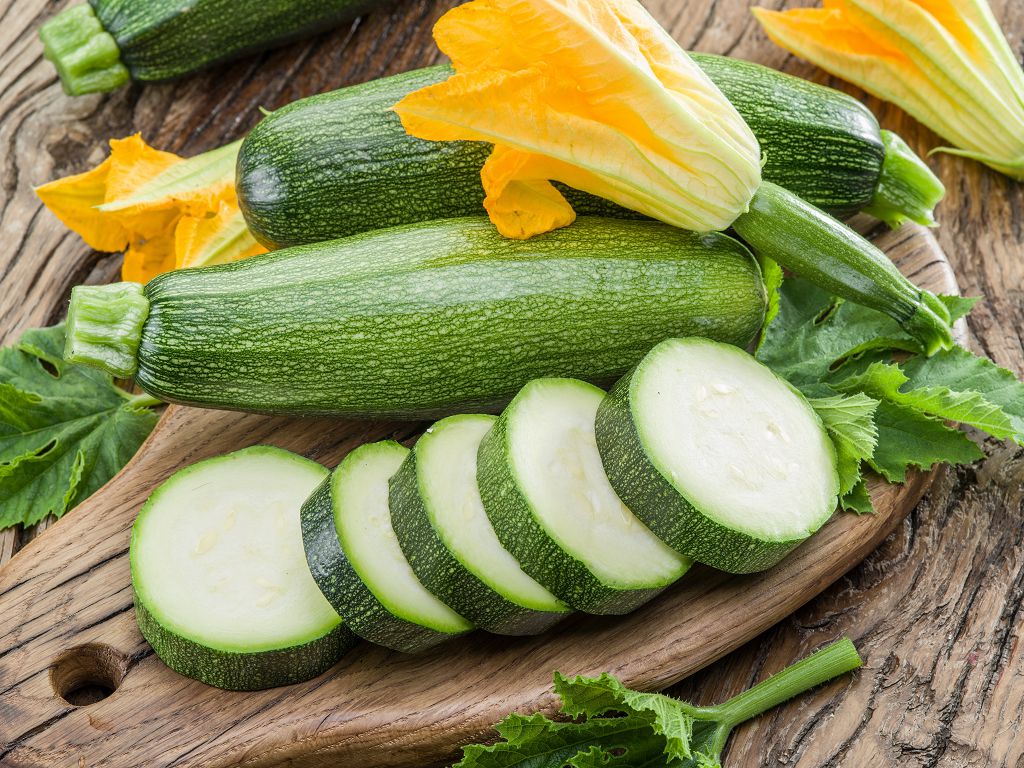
(68, 633)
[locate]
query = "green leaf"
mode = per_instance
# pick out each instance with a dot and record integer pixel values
(773, 279)
(909, 438)
(959, 306)
(886, 381)
(849, 420)
(652, 728)
(64, 429)
(962, 370)
(815, 334)
(593, 696)
(858, 500)
(616, 742)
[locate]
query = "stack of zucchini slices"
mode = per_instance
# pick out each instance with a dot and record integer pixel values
(572, 499)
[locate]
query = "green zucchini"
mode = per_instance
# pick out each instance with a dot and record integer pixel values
(99, 46)
(357, 563)
(221, 588)
(726, 462)
(338, 163)
(449, 541)
(544, 489)
(418, 321)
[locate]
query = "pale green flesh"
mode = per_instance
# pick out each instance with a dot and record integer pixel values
(217, 553)
(736, 441)
(446, 462)
(363, 522)
(555, 460)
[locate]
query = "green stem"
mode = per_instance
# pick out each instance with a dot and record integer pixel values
(831, 661)
(907, 189)
(86, 56)
(799, 237)
(142, 400)
(104, 327)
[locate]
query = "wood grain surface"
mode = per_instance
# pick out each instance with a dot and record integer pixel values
(935, 609)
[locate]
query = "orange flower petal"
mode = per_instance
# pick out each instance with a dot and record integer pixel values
(139, 198)
(945, 62)
(594, 94)
(73, 200)
(219, 239)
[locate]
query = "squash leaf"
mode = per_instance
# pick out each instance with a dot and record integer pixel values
(64, 429)
(856, 365)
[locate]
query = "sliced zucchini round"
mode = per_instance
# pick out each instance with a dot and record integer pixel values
(723, 459)
(222, 592)
(357, 562)
(449, 540)
(547, 496)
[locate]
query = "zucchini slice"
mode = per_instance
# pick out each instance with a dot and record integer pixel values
(724, 460)
(451, 545)
(549, 500)
(357, 562)
(222, 592)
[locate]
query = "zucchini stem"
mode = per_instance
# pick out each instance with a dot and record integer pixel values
(104, 327)
(907, 189)
(799, 237)
(85, 54)
(831, 661)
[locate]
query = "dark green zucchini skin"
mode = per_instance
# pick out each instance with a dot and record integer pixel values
(164, 39)
(437, 318)
(243, 671)
(338, 163)
(819, 143)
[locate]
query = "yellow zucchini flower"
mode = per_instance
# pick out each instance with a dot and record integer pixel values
(593, 94)
(163, 211)
(946, 62)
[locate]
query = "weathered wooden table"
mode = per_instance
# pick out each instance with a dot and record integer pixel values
(936, 610)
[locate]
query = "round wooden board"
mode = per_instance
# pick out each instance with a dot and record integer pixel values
(66, 617)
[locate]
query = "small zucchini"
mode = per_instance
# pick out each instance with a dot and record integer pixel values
(338, 163)
(418, 321)
(102, 45)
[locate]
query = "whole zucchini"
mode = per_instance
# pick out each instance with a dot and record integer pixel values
(339, 163)
(418, 321)
(100, 46)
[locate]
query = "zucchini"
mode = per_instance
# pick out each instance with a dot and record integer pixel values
(418, 321)
(338, 163)
(101, 45)
(544, 489)
(356, 561)
(221, 588)
(725, 461)
(449, 541)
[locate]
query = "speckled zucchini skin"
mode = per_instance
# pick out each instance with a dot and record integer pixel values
(164, 39)
(359, 608)
(438, 318)
(539, 555)
(243, 671)
(339, 163)
(445, 576)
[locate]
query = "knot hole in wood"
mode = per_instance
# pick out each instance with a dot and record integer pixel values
(88, 673)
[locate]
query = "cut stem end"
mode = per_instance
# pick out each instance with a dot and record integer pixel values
(907, 189)
(85, 54)
(104, 327)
